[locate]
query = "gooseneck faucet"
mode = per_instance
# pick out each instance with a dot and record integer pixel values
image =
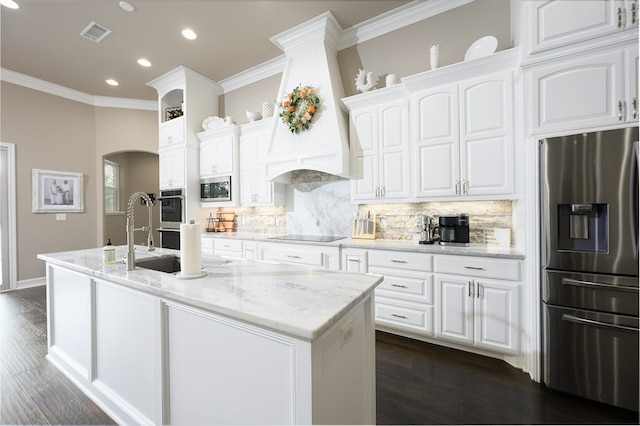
(131, 258)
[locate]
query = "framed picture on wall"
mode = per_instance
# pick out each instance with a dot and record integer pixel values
(57, 192)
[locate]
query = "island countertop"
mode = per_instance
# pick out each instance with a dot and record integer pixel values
(291, 299)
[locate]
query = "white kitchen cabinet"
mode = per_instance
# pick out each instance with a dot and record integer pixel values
(354, 260)
(320, 256)
(556, 23)
(476, 309)
(206, 244)
(228, 247)
(563, 104)
(465, 139)
(250, 250)
(380, 153)
(219, 151)
(405, 298)
(173, 167)
(171, 132)
(255, 189)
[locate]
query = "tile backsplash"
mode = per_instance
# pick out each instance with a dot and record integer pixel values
(319, 204)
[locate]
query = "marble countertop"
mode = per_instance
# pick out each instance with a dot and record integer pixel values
(286, 298)
(397, 245)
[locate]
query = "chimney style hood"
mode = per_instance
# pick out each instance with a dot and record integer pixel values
(311, 60)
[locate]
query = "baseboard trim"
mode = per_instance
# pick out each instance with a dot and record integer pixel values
(34, 282)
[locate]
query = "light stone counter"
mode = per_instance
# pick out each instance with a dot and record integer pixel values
(286, 298)
(397, 245)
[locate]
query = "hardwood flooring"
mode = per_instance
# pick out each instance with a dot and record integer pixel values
(417, 382)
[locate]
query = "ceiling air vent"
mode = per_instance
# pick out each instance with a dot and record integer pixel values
(95, 32)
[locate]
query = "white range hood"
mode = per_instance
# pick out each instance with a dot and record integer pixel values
(311, 60)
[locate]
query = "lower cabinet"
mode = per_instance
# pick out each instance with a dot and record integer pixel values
(405, 299)
(228, 247)
(326, 257)
(476, 309)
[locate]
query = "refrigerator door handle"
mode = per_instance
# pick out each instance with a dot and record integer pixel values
(580, 283)
(633, 188)
(584, 321)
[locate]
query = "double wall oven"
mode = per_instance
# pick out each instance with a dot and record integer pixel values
(589, 224)
(171, 216)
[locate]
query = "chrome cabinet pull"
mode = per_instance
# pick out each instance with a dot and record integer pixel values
(383, 191)
(293, 257)
(634, 103)
(580, 283)
(470, 294)
(457, 187)
(620, 17)
(478, 290)
(399, 316)
(620, 110)
(399, 286)
(377, 192)
(353, 260)
(398, 261)
(475, 268)
(465, 187)
(584, 321)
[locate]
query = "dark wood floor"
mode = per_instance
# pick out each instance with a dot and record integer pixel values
(417, 383)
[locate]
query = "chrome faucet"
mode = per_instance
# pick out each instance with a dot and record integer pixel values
(131, 258)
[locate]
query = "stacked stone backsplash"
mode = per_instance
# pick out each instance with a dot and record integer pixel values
(319, 204)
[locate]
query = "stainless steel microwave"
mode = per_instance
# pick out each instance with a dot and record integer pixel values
(215, 189)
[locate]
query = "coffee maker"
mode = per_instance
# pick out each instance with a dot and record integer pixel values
(427, 230)
(454, 230)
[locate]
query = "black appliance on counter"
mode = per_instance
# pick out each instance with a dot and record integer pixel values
(589, 254)
(454, 230)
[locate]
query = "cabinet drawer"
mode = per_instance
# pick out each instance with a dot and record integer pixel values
(478, 267)
(404, 316)
(302, 257)
(228, 245)
(418, 287)
(403, 260)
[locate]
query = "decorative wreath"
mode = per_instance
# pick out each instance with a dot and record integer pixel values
(298, 108)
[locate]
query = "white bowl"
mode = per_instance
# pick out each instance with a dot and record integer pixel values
(482, 47)
(253, 116)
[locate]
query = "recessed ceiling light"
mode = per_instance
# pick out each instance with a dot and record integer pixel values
(112, 82)
(143, 62)
(189, 34)
(127, 6)
(10, 4)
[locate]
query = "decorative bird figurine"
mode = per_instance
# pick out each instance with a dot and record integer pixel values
(365, 81)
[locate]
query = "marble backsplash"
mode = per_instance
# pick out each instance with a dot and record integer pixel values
(319, 204)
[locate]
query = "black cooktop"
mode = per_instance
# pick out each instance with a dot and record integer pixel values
(314, 238)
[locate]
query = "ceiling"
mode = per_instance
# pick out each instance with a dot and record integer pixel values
(42, 38)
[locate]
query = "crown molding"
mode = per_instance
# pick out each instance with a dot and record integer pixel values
(395, 19)
(74, 95)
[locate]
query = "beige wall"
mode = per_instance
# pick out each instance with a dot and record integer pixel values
(50, 133)
(250, 98)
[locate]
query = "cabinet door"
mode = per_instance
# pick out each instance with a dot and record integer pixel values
(364, 154)
(560, 23)
(216, 156)
(437, 127)
(248, 169)
(395, 172)
(172, 169)
(171, 132)
(632, 76)
(264, 188)
(486, 135)
(354, 260)
(564, 104)
(455, 303)
(497, 316)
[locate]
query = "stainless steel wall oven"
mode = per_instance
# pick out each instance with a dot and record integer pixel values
(589, 225)
(171, 216)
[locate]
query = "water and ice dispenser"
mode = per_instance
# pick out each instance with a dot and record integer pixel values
(583, 227)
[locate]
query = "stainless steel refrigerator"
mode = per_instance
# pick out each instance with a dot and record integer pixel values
(589, 225)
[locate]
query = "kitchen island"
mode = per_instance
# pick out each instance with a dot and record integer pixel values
(250, 343)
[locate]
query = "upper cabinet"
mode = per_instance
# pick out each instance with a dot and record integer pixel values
(563, 104)
(464, 135)
(255, 189)
(561, 23)
(219, 151)
(380, 152)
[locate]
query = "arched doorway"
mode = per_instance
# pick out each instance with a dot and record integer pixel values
(137, 171)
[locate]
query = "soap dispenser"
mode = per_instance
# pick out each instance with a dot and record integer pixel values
(109, 253)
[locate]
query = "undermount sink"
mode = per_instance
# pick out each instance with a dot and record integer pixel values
(168, 263)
